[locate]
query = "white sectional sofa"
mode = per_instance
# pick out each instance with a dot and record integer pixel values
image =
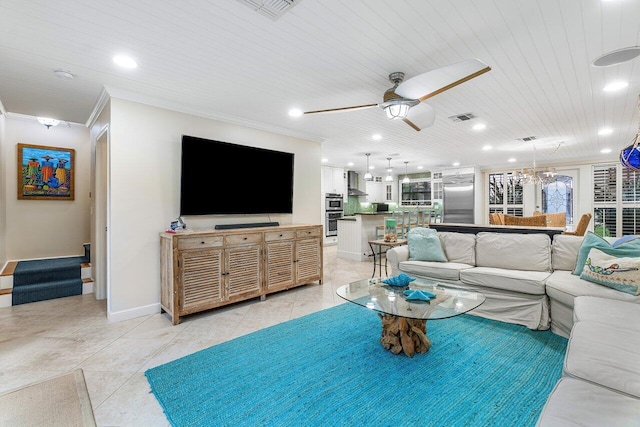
(600, 384)
(527, 280)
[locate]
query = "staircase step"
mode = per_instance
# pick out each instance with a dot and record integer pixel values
(44, 291)
(44, 270)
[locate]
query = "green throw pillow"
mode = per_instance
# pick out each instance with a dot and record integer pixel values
(630, 248)
(424, 245)
(619, 273)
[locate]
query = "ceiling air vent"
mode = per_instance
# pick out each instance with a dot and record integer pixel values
(462, 117)
(527, 138)
(273, 9)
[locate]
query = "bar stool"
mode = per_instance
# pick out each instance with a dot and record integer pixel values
(400, 224)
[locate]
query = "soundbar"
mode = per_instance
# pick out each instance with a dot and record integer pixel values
(248, 225)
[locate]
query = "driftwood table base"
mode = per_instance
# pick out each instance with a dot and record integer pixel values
(404, 334)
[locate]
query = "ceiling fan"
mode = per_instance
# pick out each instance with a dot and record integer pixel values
(404, 99)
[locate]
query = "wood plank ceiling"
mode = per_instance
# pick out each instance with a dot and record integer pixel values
(223, 60)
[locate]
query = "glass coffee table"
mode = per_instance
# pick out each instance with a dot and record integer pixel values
(404, 321)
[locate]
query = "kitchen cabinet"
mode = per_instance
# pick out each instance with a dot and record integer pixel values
(205, 269)
(381, 191)
(375, 190)
(333, 180)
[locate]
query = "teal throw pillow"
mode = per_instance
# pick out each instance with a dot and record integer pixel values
(619, 273)
(424, 245)
(629, 248)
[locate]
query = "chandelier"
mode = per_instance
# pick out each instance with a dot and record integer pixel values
(534, 175)
(630, 155)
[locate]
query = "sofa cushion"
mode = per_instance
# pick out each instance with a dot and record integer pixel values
(424, 245)
(619, 273)
(436, 270)
(564, 251)
(527, 282)
(604, 355)
(513, 251)
(591, 240)
(621, 314)
(574, 402)
(563, 286)
(459, 247)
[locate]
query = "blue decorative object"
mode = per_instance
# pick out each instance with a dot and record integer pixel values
(415, 294)
(630, 155)
(399, 280)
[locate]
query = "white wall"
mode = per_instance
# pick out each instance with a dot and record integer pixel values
(45, 228)
(3, 202)
(144, 152)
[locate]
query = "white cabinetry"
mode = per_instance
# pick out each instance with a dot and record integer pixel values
(375, 190)
(381, 191)
(333, 180)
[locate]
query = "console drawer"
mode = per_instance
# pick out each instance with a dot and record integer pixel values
(199, 242)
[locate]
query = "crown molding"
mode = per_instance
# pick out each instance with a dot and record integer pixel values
(97, 108)
(160, 103)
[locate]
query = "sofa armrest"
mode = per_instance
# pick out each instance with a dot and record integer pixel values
(396, 255)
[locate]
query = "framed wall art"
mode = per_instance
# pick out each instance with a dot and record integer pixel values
(45, 173)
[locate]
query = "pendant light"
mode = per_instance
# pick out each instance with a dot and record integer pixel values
(388, 178)
(368, 176)
(406, 179)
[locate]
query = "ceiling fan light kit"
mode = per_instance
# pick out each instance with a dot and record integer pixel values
(400, 101)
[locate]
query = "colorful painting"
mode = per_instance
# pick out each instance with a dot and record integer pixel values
(45, 173)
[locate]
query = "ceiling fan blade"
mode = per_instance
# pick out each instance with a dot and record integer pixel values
(425, 85)
(421, 116)
(337, 110)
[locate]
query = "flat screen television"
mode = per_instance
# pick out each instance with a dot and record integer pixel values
(206, 189)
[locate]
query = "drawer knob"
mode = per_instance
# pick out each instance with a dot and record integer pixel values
(244, 238)
(202, 243)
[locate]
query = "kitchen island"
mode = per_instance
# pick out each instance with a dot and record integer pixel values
(355, 232)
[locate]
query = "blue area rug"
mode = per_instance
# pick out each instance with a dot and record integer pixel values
(329, 368)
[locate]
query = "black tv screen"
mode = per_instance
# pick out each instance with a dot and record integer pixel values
(207, 188)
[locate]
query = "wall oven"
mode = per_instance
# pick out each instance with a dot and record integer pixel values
(333, 202)
(331, 223)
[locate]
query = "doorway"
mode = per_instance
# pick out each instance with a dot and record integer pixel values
(101, 259)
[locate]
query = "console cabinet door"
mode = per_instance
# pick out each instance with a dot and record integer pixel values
(201, 278)
(279, 257)
(308, 260)
(243, 272)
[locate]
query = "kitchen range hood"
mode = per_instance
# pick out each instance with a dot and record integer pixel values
(352, 184)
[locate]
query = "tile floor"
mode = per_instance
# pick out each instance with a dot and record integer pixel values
(43, 339)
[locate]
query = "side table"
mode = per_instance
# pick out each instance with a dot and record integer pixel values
(382, 244)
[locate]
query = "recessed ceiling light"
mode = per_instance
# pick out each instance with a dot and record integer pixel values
(295, 112)
(324, 160)
(613, 86)
(479, 126)
(605, 131)
(456, 163)
(125, 61)
(350, 164)
(511, 160)
(487, 147)
(376, 137)
(420, 167)
(605, 150)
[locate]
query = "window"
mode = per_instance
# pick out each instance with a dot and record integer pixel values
(505, 194)
(616, 201)
(557, 196)
(388, 192)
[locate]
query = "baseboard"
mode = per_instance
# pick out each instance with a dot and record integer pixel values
(132, 313)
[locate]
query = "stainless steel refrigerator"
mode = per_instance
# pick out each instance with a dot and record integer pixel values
(458, 201)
